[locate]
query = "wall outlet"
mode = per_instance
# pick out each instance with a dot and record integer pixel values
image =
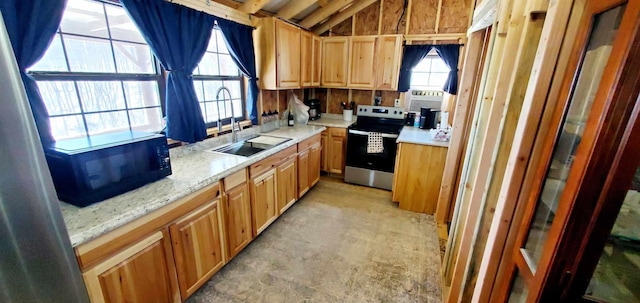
(396, 103)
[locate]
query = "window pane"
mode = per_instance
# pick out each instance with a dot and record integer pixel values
(234, 88)
(141, 93)
(237, 108)
(107, 122)
(67, 127)
(227, 66)
(227, 108)
(60, 97)
(148, 119)
(212, 112)
(222, 45)
(53, 60)
(101, 95)
(211, 47)
(133, 58)
(437, 79)
(84, 18)
(419, 79)
(211, 89)
(121, 26)
(89, 55)
(423, 66)
(437, 65)
(208, 65)
(197, 84)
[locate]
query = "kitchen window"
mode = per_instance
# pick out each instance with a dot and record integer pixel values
(99, 75)
(430, 74)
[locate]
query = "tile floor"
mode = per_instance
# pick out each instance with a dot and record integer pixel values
(340, 243)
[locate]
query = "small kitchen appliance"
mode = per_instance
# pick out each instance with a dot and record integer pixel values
(91, 169)
(410, 119)
(314, 109)
(429, 118)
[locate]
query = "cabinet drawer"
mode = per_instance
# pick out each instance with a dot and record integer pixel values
(259, 167)
(235, 179)
(306, 144)
(338, 132)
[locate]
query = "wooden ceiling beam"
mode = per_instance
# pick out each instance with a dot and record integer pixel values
(236, 5)
(343, 15)
(253, 6)
(323, 13)
(216, 9)
(294, 7)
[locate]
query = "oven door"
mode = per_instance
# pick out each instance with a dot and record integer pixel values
(357, 155)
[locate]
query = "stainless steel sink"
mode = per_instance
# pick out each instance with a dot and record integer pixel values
(251, 146)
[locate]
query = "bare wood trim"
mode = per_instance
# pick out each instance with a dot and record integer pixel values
(294, 7)
(253, 6)
(213, 131)
(235, 179)
(92, 252)
(438, 16)
(320, 14)
(344, 15)
(435, 37)
(484, 15)
(216, 9)
(500, 239)
(408, 12)
(380, 17)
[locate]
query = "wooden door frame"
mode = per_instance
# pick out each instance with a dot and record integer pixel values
(583, 154)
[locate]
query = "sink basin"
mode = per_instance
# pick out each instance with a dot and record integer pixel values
(251, 146)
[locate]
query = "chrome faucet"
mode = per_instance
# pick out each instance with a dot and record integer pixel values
(234, 136)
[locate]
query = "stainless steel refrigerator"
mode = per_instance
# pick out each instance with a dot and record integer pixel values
(37, 263)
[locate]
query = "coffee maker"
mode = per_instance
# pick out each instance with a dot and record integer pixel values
(314, 109)
(429, 118)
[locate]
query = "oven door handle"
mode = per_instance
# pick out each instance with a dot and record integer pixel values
(383, 135)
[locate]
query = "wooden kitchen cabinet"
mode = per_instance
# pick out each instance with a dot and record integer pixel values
(335, 59)
(287, 177)
(388, 59)
(417, 176)
(314, 164)
(316, 63)
(303, 173)
(199, 246)
(143, 272)
(324, 142)
(362, 62)
(306, 59)
(237, 213)
(264, 195)
(334, 147)
(277, 54)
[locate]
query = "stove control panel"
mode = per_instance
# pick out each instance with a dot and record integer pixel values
(380, 112)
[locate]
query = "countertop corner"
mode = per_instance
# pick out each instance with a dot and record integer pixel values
(414, 135)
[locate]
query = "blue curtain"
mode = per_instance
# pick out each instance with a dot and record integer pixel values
(413, 54)
(450, 54)
(178, 37)
(31, 26)
(240, 43)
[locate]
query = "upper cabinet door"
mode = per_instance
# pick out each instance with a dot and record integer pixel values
(316, 66)
(388, 62)
(288, 53)
(306, 58)
(362, 62)
(335, 58)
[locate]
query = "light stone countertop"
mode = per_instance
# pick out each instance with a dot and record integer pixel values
(410, 134)
(332, 120)
(193, 168)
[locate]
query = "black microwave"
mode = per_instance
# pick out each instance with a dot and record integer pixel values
(91, 169)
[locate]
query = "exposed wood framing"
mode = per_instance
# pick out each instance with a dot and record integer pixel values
(438, 15)
(461, 38)
(252, 6)
(216, 9)
(408, 13)
(323, 13)
(380, 17)
(484, 15)
(515, 176)
(294, 7)
(343, 15)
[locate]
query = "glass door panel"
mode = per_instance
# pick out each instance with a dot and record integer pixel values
(617, 276)
(519, 289)
(601, 39)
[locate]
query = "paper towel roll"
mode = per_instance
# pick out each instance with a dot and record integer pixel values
(444, 119)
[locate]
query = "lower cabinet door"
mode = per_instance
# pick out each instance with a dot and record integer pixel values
(239, 231)
(143, 272)
(198, 247)
(303, 173)
(314, 164)
(287, 184)
(324, 152)
(263, 200)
